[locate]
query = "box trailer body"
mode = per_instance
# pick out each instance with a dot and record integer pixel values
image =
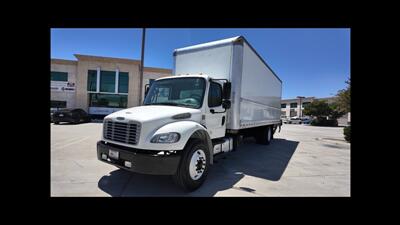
(219, 92)
(256, 90)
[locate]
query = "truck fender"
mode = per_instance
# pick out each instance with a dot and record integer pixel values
(202, 134)
(187, 130)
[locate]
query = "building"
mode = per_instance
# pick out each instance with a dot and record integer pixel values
(99, 85)
(292, 108)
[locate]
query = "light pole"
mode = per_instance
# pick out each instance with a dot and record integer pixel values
(301, 111)
(141, 67)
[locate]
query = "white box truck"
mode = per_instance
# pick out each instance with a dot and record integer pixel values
(220, 92)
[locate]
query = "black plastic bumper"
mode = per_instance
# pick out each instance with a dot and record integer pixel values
(142, 161)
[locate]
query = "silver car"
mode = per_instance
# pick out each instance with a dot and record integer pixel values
(294, 120)
(284, 119)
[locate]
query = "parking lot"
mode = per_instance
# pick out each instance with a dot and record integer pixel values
(301, 161)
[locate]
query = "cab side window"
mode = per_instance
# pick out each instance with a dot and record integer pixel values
(215, 95)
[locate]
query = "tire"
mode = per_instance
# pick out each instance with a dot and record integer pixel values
(236, 142)
(272, 132)
(264, 137)
(186, 175)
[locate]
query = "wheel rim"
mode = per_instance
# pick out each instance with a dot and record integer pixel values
(197, 164)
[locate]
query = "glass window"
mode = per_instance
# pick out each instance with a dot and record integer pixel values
(283, 105)
(107, 81)
(305, 104)
(58, 104)
(108, 100)
(186, 92)
(123, 82)
(215, 95)
(163, 94)
(293, 105)
(92, 80)
(59, 76)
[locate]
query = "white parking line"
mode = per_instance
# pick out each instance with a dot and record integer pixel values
(55, 144)
(71, 143)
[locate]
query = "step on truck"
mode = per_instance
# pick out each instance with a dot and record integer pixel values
(219, 92)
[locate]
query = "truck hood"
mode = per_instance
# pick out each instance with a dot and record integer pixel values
(150, 113)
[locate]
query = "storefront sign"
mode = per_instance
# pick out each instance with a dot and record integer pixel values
(102, 110)
(62, 86)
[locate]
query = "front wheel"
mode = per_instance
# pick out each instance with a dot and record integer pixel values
(193, 167)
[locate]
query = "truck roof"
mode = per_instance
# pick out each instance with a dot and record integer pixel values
(187, 75)
(223, 42)
(209, 44)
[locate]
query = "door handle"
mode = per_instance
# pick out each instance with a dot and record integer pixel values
(223, 121)
(213, 111)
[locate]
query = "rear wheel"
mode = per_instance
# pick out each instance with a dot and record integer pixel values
(193, 167)
(236, 139)
(273, 129)
(264, 137)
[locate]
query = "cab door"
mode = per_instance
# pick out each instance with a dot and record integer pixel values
(215, 113)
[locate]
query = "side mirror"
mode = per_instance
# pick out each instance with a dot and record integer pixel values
(146, 89)
(226, 104)
(227, 90)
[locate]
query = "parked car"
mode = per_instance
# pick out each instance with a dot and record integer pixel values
(52, 110)
(70, 115)
(284, 119)
(294, 120)
(306, 120)
(51, 116)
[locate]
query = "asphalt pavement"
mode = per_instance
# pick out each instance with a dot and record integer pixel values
(301, 161)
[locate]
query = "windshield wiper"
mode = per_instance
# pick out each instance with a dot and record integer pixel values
(164, 103)
(171, 103)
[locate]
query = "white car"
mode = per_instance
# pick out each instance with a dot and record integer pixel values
(294, 120)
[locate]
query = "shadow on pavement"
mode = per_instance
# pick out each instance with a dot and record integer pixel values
(263, 161)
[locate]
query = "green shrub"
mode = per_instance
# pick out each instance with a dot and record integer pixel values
(347, 133)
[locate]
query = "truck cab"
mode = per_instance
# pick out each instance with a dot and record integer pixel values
(209, 97)
(178, 112)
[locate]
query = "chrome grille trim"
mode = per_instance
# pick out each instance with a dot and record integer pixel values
(124, 132)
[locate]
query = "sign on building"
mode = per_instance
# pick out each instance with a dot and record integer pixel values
(62, 86)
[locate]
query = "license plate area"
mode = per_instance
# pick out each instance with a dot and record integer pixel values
(113, 154)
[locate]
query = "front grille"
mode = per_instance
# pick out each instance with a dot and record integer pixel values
(122, 132)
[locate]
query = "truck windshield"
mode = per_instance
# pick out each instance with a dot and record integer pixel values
(185, 92)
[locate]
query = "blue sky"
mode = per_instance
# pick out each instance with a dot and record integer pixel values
(310, 62)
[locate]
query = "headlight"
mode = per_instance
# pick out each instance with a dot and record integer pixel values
(166, 138)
